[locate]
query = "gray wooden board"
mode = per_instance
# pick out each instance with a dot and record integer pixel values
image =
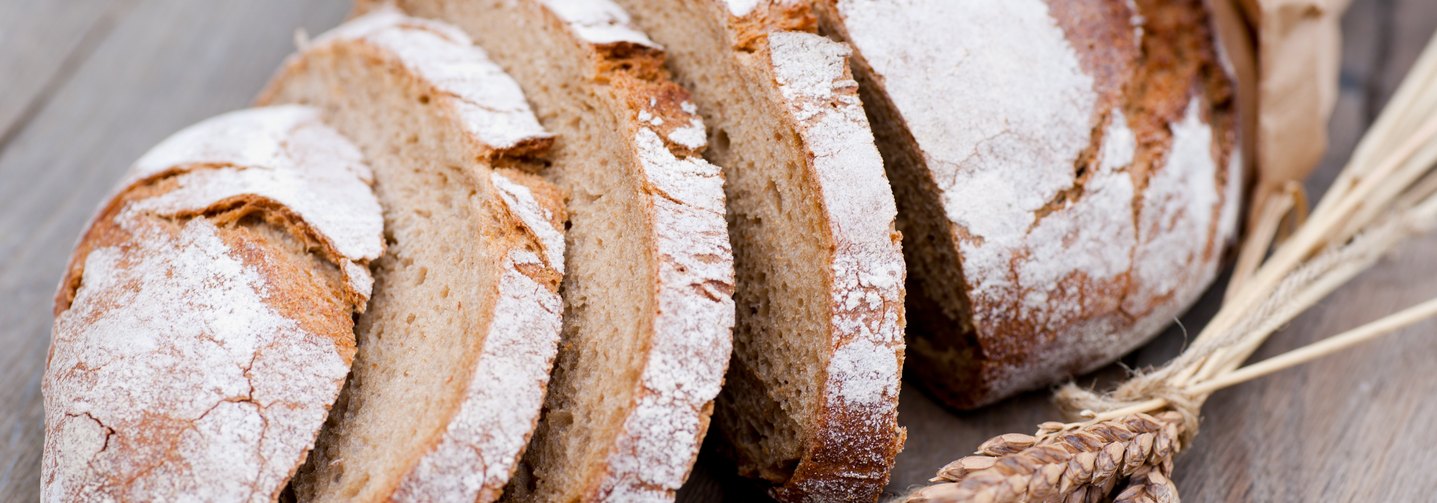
(36, 56)
(88, 85)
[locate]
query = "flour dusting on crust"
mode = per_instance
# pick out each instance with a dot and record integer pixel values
(283, 153)
(1177, 206)
(1068, 261)
(534, 216)
(171, 371)
(690, 352)
(489, 102)
(598, 21)
(278, 137)
(1027, 113)
(481, 444)
(867, 342)
(174, 371)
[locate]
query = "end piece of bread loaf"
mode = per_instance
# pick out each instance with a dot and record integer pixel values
(812, 399)
(1059, 212)
(205, 326)
(648, 312)
(456, 349)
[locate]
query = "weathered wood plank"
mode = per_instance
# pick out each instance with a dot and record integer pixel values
(165, 65)
(1346, 428)
(43, 42)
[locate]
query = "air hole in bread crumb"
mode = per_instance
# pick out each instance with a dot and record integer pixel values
(773, 193)
(409, 319)
(424, 99)
(423, 275)
(720, 140)
(444, 294)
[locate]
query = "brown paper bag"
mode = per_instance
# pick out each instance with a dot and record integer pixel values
(1286, 56)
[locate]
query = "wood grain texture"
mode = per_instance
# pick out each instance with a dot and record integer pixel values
(163, 65)
(90, 84)
(38, 55)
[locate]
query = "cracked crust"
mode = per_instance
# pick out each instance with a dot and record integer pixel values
(651, 269)
(205, 324)
(450, 137)
(1056, 216)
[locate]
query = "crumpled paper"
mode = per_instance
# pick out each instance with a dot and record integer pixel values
(1286, 55)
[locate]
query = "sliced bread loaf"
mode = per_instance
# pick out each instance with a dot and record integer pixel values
(205, 324)
(648, 312)
(1066, 171)
(812, 399)
(456, 348)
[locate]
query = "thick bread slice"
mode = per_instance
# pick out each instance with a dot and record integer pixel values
(205, 324)
(648, 312)
(1058, 212)
(456, 349)
(812, 398)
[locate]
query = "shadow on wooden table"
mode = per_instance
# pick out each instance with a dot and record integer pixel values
(937, 435)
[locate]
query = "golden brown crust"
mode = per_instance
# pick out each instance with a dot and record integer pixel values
(694, 267)
(428, 76)
(800, 144)
(1152, 84)
(204, 327)
(750, 31)
(852, 446)
(525, 153)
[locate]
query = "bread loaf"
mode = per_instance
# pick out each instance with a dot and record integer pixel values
(1066, 171)
(812, 396)
(456, 349)
(648, 312)
(204, 326)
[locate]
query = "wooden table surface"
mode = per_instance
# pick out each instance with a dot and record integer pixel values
(86, 86)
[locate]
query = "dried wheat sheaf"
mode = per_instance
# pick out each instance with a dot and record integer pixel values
(1123, 441)
(1066, 464)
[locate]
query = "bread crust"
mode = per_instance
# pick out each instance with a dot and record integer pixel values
(1108, 259)
(653, 450)
(488, 428)
(482, 440)
(204, 326)
(851, 449)
(848, 447)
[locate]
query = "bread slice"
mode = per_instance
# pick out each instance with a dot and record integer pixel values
(456, 349)
(1059, 212)
(204, 326)
(811, 403)
(648, 312)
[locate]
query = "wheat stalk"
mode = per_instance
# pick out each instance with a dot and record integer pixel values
(1127, 437)
(1060, 462)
